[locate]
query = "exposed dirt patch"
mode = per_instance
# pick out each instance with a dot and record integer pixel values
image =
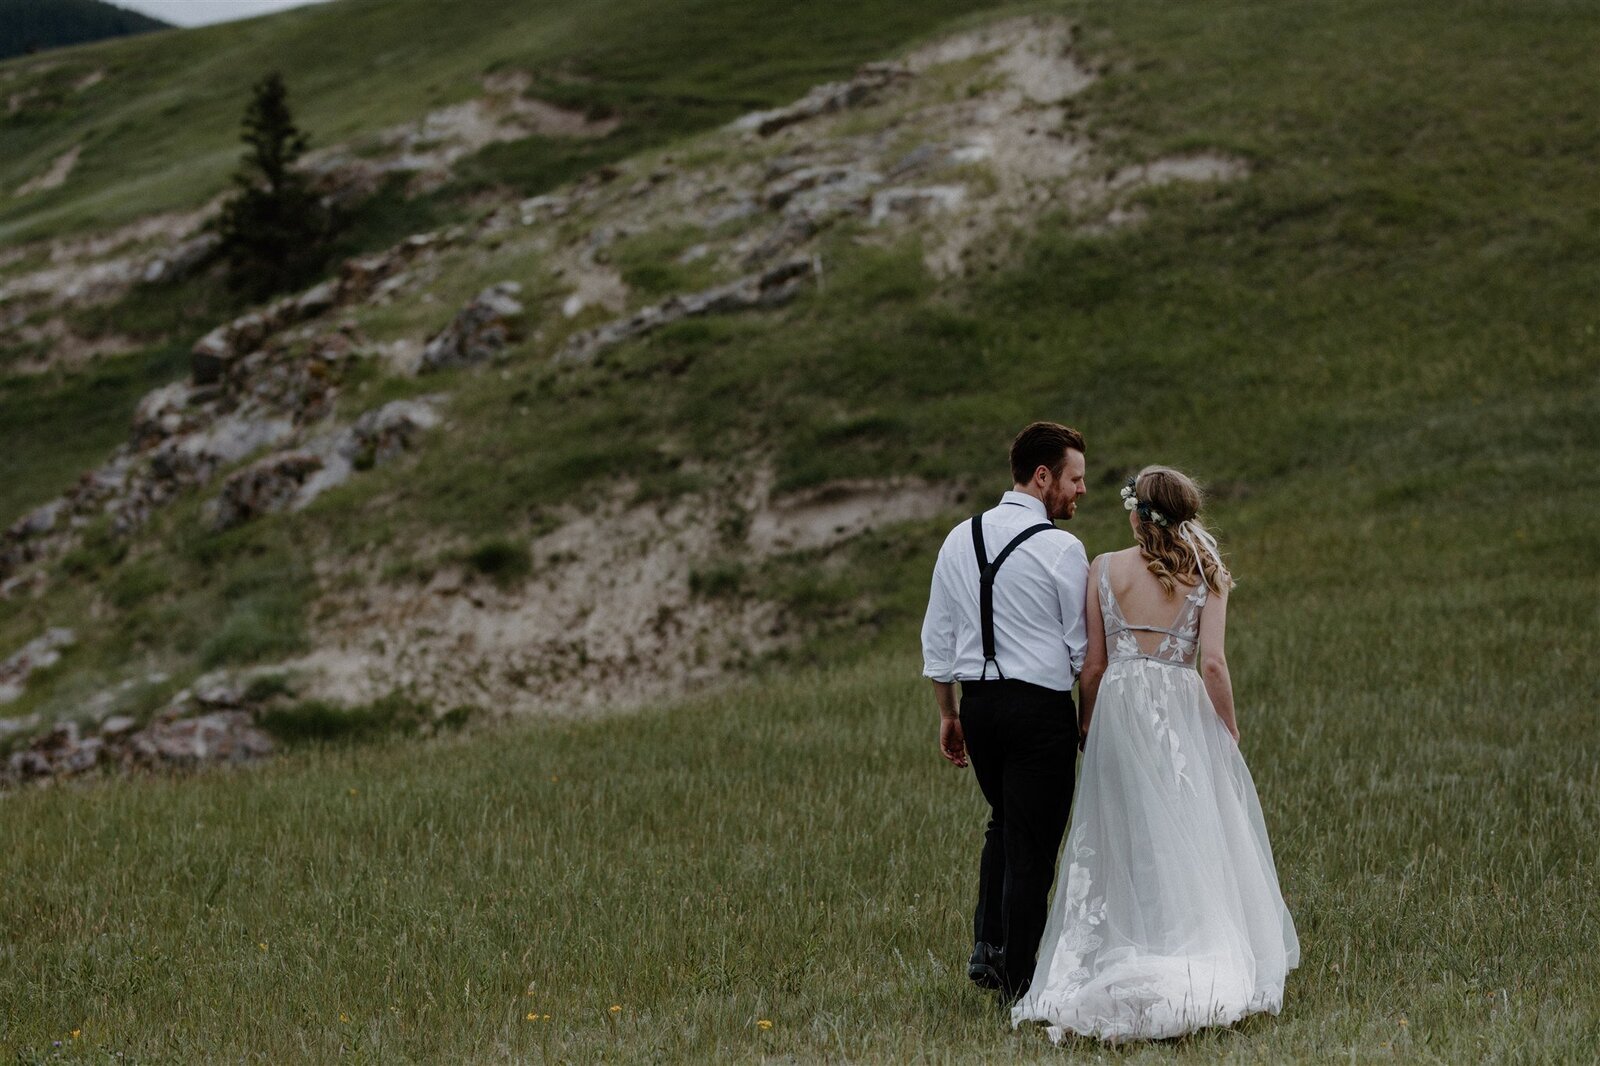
(611, 615)
(607, 617)
(839, 510)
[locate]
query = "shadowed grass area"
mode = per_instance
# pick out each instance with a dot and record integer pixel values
(53, 427)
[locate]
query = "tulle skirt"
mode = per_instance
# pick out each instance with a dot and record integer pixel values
(1167, 914)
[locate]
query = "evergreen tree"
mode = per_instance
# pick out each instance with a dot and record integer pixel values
(275, 231)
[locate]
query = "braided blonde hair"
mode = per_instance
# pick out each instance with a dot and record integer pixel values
(1177, 547)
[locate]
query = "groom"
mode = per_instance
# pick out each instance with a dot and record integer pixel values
(1006, 619)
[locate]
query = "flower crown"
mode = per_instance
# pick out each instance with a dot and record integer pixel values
(1147, 513)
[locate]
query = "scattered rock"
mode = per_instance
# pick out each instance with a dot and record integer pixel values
(915, 203)
(823, 99)
(766, 289)
(41, 652)
(117, 725)
(485, 326)
(267, 485)
(181, 261)
(182, 744)
(375, 438)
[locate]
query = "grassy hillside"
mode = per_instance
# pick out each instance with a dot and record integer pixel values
(1379, 349)
(29, 26)
(160, 130)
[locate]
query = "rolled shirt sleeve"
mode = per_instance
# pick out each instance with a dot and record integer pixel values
(1072, 584)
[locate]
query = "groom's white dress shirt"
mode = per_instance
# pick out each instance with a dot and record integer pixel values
(1039, 628)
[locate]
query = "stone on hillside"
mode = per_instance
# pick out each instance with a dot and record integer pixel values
(485, 326)
(182, 260)
(39, 521)
(766, 289)
(802, 179)
(226, 736)
(267, 485)
(382, 434)
(217, 693)
(41, 652)
(915, 202)
(824, 99)
(218, 737)
(372, 440)
(210, 356)
(317, 299)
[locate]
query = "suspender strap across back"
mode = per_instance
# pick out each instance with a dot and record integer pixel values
(986, 572)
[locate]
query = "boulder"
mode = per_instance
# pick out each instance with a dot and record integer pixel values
(490, 321)
(217, 737)
(37, 654)
(766, 289)
(182, 260)
(267, 485)
(823, 99)
(910, 203)
(380, 435)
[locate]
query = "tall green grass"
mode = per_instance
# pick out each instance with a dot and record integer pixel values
(794, 850)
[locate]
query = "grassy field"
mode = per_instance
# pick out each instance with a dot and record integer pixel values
(1380, 349)
(793, 851)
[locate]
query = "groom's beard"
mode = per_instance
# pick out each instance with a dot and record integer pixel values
(1062, 504)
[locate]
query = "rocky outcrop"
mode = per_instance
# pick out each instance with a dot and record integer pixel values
(170, 743)
(823, 99)
(489, 322)
(267, 485)
(766, 289)
(37, 654)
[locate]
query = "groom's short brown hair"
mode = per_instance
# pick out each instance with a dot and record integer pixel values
(1042, 444)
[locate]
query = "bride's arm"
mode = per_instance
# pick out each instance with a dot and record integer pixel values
(1214, 663)
(1094, 657)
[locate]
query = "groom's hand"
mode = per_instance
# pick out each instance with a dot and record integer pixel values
(952, 741)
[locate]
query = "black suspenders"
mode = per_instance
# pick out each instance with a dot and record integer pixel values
(986, 572)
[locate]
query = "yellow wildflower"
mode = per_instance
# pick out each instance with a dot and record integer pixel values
(532, 1018)
(262, 944)
(763, 1025)
(616, 1008)
(1403, 1022)
(76, 1033)
(343, 1017)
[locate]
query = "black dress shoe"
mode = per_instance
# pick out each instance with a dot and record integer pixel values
(987, 966)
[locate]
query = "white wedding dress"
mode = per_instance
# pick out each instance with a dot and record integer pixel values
(1167, 914)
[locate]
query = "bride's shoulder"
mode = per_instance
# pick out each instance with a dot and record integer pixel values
(1105, 559)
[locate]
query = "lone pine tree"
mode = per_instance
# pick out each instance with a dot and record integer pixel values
(275, 231)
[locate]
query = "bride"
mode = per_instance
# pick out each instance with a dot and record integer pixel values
(1167, 915)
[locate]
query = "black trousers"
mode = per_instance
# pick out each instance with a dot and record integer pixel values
(1023, 743)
